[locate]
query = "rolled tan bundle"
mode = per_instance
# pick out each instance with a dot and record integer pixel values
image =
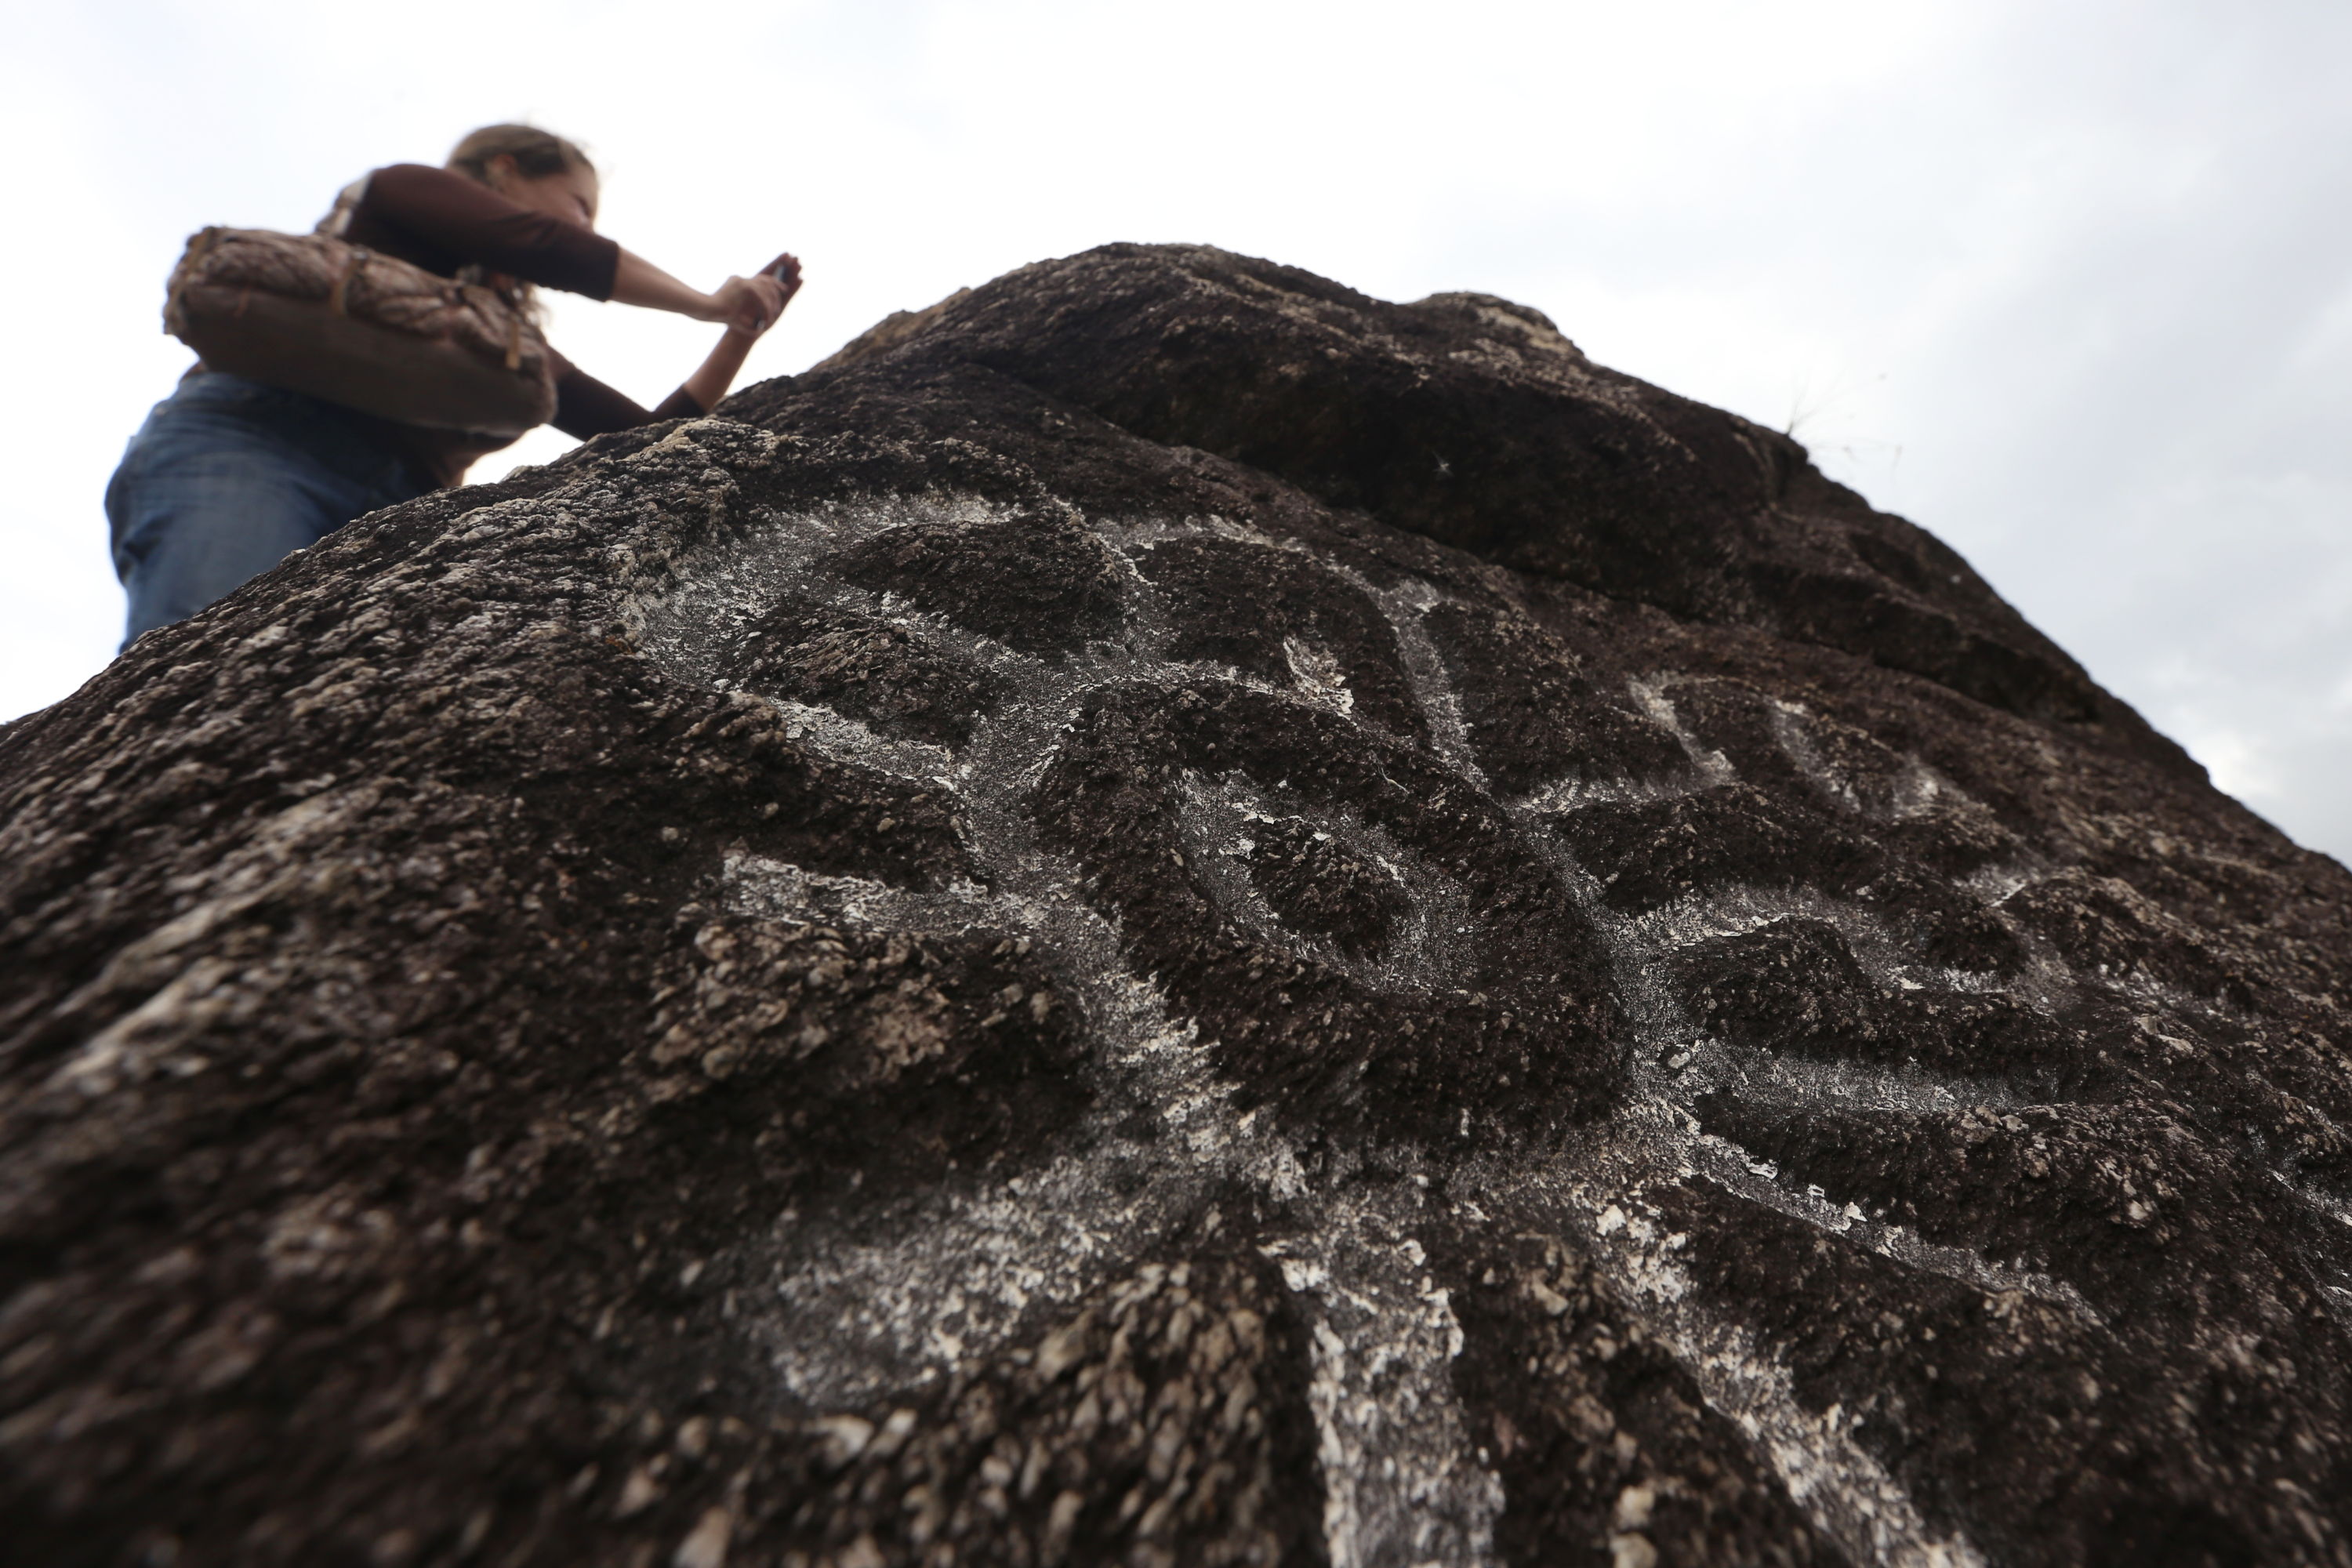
(317, 314)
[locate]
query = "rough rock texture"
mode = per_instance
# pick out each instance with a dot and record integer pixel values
(1165, 916)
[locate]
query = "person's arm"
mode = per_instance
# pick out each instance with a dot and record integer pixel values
(472, 223)
(746, 304)
(717, 372)
(585, 406)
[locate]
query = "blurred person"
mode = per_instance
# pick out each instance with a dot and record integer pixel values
(228, 475)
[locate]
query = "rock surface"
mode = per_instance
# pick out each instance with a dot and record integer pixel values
(1164, 916)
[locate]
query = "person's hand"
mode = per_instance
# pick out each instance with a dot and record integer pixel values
(749, 305)
(786, 270)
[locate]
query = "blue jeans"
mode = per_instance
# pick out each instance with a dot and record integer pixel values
(225, 479)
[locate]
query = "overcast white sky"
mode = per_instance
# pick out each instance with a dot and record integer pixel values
(2069, 283)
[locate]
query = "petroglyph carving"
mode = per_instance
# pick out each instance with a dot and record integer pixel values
(1249, 928)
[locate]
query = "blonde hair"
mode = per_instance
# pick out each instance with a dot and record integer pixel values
(537, 154)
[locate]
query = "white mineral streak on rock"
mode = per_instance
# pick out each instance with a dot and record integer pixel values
(1321, 678)
(1764, 1078)
(1404, 604)
(1917, 789)
(866, 1309)
(1596, 1191)
(1730, 1167)
(845, 737)
(1654, 699)
(1402, 1483)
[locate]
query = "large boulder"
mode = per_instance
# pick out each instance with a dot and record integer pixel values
(1165, 916)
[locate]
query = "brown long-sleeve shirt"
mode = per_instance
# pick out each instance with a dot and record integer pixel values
(443, 222)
